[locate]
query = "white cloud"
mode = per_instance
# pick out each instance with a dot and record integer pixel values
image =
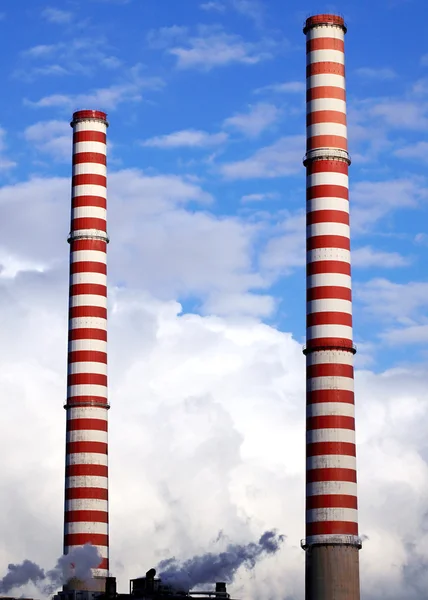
(56, 15)
(165, 36)
(51, 137)
(258, 118)
(188, 138)
(259, 197)
(213, 6)
(5, 162)
(286, 249)
(418, 151)
(367, 256)
(289, 87)
(381, 74)
(253, 9)
(214, 48)
(108, 98)
(280, 159)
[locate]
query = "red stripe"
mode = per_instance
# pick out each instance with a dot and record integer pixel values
(79, 201)
(315, 475)
(86, 470)
(330, 448)
(85, 424)
(322, 343)
(328, 266)
(88, 244)
(87, 334)
(330, 370)
(327, 191)
(327, 166)
(328, 318)
(325, 91)
(88, 288)
(87, 311)
(86, 493)
(89, 179)
(328, 241)
(325, 43)
(90, 516)
(96, 447)
(330, 422)
(88, 223)
(327, 216)
(331, 501)
(87, 356)
(87, 266)
(80, 539)
(327, 141)
(331, 528)
(89, 157)
(99, 401)
(89, 136)
(86, 379)
(104, 564)
(318, 396)
(326, 67)
(328, 291)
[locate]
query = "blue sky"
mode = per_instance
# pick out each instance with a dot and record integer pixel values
(206, 216)
(213, 91)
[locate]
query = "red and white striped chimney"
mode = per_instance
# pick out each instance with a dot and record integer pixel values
(332, 542)
(86, 475)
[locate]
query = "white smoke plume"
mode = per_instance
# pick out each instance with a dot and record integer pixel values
(78, 563)
(222, 566)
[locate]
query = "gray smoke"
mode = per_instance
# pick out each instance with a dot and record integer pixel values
(78, 563)
(211, 567)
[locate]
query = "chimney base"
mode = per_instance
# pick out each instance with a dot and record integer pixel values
(332, 572)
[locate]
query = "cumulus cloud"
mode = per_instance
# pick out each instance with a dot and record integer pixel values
(258, 118)
(51, 137)
(188, 138)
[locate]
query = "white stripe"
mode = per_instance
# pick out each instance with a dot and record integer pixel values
(88, 256)
(85, 481)
(319, 488)
(96, 345)
(87, 412)
(87, 367)
(86, 504)
(91, 212)
(330, 382)
(335, 56)
(318, 254)
(329, 305)
(87, 390)
(87, 458)
(86, 527)
(326, 31)
(89, 168)
(325, 357)
(326, 104)
(328, 228)
(87, 435)
(88, 277)
(88, 300)
(326, 79)
(326, 331)
(87, 322)
(89, 190)
(328, 409)
(101, 573)
(316, 515)
(327, 204)
(330, 435)
(328, 279)
(97, 147)
(327, 128)
(90, 126)
(327, 178)
(331, 461)
(103, 551)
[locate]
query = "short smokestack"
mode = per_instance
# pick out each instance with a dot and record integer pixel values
(111, 589)
(332, 542)
(220, 588)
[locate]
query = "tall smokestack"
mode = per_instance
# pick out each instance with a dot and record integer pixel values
(86, 472)
(332, 542)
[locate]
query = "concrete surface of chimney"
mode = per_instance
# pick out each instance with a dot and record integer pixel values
(332, 542)
(86, 475)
